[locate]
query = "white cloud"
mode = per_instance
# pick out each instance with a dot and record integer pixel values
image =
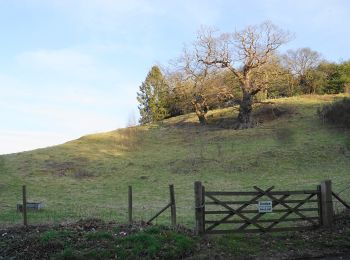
(311, 14)
(61, 59)
(77, 109)
(63, 90)
(108, 6)
(107, 15)
(60, 116)
(62, 64)
(15, 141)
(58, 123)
(121, 17)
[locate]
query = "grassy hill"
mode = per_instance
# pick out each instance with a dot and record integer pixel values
(89, 177)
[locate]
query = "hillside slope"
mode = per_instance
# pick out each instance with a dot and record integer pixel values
(90, 176)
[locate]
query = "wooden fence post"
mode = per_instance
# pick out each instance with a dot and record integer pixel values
(24, 207)
(319, 204)
(326, 203)
(199, 208)
(173, 205)
(203, 208)
(130, 204)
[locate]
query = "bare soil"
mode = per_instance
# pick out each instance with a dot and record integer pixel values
(34, 242)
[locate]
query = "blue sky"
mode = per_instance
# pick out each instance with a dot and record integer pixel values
(73, 67)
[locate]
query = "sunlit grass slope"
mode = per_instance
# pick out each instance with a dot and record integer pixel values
(89, 177)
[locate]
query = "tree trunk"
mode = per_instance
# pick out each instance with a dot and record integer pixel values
(202, 119)
(245, 118)
(200, 114)
(304, 85)
(263, 95)
(201, 108)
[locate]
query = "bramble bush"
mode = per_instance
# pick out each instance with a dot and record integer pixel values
(337, 113)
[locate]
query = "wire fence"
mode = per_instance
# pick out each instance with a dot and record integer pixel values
(112, 204)
(342, 191)
(103, 204)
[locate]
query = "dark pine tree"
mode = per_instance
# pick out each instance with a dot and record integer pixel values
(152, 97)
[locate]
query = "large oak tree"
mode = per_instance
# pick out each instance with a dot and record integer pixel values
(243, 53)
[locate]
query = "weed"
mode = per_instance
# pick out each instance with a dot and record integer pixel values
(68, 254)
(154, 241)
(52, 235)
(99, 235)
(240, 244)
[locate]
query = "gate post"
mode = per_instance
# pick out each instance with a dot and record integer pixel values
(173, 205)
(130, 204)
(199, 207)
(326, 203)
(24, 207)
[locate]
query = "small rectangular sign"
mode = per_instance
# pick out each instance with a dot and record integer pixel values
(265, 206)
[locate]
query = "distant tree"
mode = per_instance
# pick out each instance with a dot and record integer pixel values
(244, 54)
(216, 89)
(301, 63)
(280, 83)
(272, 78)
(196, 75)
(329, 78)
(152, 97)
(222, 90)
(178, 98)
(328, 75)
(317, 82)
(345, 76)
(144, 97)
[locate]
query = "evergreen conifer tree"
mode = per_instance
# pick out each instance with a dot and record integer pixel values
(152, 97)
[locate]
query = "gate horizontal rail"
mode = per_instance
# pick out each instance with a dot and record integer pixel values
(261, 220)
(289, 210)
(217, 212)
(243, 193)
(259, 231)
(245, 201)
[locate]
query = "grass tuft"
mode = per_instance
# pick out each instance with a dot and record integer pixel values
(89, 177)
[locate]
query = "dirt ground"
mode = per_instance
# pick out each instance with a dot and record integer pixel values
(95, 239)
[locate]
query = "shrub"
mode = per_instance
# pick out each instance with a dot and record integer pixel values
(337, 113)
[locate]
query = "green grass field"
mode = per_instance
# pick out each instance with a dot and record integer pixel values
(89, 177)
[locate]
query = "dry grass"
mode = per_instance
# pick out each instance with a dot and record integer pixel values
(290, 151)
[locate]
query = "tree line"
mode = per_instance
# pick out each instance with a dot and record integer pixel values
(236, 69)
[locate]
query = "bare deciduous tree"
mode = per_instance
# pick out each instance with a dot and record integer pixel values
(198, 73)
(300, 62)
(244, 53)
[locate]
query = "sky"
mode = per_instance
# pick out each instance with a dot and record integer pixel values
(72, 67)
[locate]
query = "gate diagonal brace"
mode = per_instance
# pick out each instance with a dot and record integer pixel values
(238, 210)
(292, 209)
(262, 214)
(290, 212)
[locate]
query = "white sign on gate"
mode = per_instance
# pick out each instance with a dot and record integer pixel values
(265, 206)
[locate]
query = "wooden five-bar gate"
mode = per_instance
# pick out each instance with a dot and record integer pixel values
(262, 210)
